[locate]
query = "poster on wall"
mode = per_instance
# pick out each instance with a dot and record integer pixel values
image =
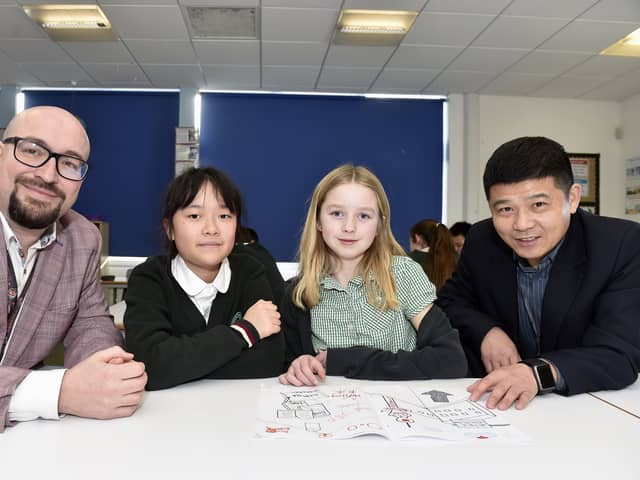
(586, 173)
(187, 149)
(632, 186)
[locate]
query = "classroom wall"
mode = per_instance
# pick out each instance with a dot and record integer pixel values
(631, 133)
(478, 124)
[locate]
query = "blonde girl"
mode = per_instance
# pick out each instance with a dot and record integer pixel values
(359, 307)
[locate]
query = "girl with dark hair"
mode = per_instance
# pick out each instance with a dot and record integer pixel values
(430, 245)
(202, 311)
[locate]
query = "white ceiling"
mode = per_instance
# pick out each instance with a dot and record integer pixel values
(501, 47)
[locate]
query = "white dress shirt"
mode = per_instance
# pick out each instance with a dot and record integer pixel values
(37, 395)
(200, 292)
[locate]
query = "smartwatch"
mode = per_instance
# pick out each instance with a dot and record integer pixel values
(542, 372)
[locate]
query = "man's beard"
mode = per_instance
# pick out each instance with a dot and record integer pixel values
(35, 214)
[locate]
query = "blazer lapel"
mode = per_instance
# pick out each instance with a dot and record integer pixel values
(4, 282)
(45, 278)
(564, 283)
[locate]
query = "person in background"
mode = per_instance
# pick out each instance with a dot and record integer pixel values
(201, 311)
(247, 242)
(459, 231)
(546, 296)
(50, 291)
(430, 245)
(359, 307)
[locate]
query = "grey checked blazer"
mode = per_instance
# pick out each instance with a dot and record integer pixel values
(64, 302)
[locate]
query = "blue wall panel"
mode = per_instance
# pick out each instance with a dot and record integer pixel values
(132, 161)
(277, 148)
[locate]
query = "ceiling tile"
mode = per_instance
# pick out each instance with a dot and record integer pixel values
(29, 50)
(486, 59)
(128, 2)
(293, 53)
(446, 29)
(298, 24)
(357, 78)
(14, 23)
(569, 86)
(459, 82)
(411, 5)
(220, 3)
(227, 52)
(86, 52)
(515, 84)
(357, 56)
(291, 77)
(56, 72)
(466, 6)
(620, 88)
(351, 90)
(113, 73)
(332, 4)
(519, 32)
(236, 77)
(407, 79)
(162, 22)
(615, 10)
(606, 64)
(162, 52)
(548, 62)
(174, 76)
(423, 56)
(549, 8)
(588, 36)
(12, 74)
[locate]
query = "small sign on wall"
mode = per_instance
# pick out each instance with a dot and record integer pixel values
(632, 186)
(187, 153)
(586, 173)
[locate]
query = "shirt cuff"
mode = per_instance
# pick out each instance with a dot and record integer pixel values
(37, 396)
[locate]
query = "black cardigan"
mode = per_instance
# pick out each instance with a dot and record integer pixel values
(165, 330)
(438, 353)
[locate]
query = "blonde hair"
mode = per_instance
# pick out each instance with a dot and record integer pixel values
(317, 260)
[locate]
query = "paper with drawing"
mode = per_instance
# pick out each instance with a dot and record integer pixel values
(392, 411)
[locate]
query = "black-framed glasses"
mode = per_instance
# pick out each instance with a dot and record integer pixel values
(35, 155)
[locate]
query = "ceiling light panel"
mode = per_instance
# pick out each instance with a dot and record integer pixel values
(72, 22)
(628, 46)
(373, 27)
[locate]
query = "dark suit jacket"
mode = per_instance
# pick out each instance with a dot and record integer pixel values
(64, 302)
(590, 326)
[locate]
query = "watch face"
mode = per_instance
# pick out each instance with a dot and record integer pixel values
(545, 376)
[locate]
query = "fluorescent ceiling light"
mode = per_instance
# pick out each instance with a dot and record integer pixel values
(373, 27)
(71, 22)
(628, 46)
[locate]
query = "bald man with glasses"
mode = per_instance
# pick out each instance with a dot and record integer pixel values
(49, 287)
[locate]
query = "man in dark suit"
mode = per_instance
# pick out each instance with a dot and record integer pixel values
(546, 297)
(49, 288)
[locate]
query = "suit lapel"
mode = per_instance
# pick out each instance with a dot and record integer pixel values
(45, 277)
(565, 281)
(4, 282)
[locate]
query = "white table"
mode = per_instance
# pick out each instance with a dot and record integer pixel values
(204, 430)
(627, 399)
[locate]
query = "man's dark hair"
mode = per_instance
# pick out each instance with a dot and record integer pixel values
(527, 158)
(184, 188)
(460, 228)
